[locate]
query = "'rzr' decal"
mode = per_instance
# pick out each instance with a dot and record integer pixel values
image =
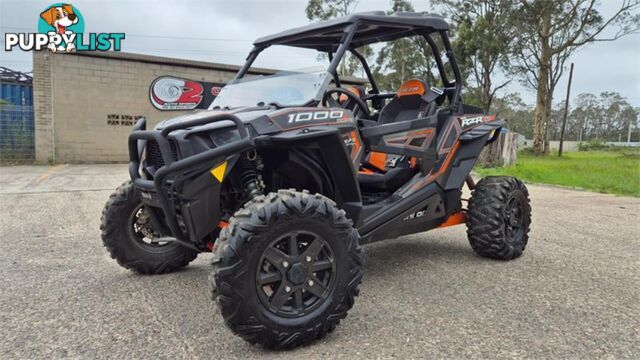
(475, 120)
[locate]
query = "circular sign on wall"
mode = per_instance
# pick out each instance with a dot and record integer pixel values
(173, 93)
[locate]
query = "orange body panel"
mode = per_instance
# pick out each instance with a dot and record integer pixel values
(356, 144)
(454, 219)
(378, 160)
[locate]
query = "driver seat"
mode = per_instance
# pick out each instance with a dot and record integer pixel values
(387, 172)
(412, 101)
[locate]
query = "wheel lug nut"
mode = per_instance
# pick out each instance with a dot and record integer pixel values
(310, 282)
(285, 263)
(308, 258)
(287, 289)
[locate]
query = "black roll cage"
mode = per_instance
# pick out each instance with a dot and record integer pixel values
(344, 45)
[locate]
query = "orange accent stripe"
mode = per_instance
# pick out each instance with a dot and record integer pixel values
(223, 224)
(454, 219)
(422, 132)
(356, 144)
(445, 166)
(442, 169)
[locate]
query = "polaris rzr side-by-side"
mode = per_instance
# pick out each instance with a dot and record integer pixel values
(286, 175)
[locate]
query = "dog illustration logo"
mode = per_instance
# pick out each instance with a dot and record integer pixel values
(63, 21)
(60, 17)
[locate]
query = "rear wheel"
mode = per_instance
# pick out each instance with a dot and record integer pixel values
(290, 269)
(499, 217)
(132, 241)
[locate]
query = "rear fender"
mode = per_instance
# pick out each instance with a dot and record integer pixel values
(472, 141)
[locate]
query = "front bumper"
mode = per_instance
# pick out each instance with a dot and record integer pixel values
(183, 188)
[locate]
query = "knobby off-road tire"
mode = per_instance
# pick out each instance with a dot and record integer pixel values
(126, 246)
(499, 217)
(319, 229)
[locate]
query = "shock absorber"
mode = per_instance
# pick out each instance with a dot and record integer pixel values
(250, 178)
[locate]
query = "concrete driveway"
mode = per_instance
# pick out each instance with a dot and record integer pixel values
(575, 293)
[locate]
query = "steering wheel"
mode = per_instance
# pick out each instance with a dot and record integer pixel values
(327, 99)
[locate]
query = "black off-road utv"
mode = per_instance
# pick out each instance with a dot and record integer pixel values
(286, 175)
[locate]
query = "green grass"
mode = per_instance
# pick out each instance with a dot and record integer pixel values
(615, 171)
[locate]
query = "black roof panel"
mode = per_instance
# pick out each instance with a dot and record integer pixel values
(376, 26)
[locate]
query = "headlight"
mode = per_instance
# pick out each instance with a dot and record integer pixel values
(225, 136)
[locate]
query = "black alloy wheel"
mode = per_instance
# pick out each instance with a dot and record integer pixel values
(296, 274)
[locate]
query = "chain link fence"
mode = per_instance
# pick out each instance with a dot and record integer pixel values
(16, 133)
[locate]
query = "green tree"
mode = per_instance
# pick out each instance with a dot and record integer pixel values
(328, 9)
(607, 117)
(518, 114)
(586, 114)
(629, 118)
(483, 39)
(549, 31)
(619, 116)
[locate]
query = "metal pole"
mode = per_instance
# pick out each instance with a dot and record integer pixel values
(566, 110)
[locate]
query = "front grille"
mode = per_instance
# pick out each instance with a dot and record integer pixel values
(154, 156)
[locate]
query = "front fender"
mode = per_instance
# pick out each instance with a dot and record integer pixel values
(328, 141)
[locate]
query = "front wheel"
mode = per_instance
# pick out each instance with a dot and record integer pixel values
(290, 269)
(131, 240)
(499, 217)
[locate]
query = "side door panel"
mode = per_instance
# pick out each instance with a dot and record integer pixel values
(413, 138)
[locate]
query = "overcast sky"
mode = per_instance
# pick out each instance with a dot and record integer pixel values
(223, 30)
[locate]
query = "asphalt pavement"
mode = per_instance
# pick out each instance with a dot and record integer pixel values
(575, 293)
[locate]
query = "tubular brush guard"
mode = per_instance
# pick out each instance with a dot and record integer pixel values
(156, 192)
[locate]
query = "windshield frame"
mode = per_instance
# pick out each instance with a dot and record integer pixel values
(335, 58)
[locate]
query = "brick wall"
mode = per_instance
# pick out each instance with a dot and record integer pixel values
(74, 95)
(43, 111)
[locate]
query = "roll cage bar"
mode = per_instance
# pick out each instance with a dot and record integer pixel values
(345, 44)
